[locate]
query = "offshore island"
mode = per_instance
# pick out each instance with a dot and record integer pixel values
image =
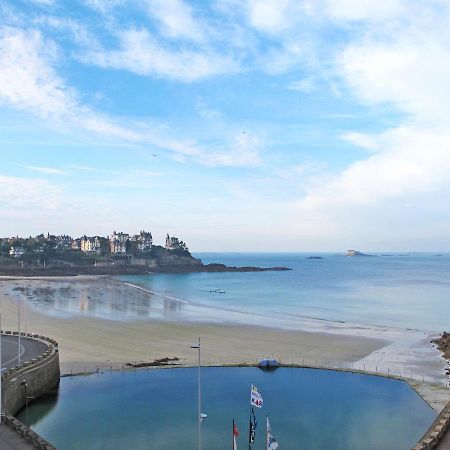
(118, 254)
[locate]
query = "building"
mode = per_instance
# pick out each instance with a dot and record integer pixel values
(76, 244)
(172, 243)
(16, 251)
(143, 240)
(90, 244)
(118, 242)
(63, 241)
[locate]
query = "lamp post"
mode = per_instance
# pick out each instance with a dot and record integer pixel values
(199, 387)
(25, 385)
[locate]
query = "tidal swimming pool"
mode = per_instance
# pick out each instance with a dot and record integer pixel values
(157, 409)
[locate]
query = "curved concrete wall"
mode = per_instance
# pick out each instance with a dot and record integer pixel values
(30, 380)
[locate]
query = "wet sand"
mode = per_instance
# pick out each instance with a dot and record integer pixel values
(86, 341)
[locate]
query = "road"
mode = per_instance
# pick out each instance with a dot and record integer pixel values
(29, 348)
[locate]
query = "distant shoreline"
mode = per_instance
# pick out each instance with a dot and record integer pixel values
(129, 270)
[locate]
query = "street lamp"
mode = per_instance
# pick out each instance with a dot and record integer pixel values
(201, 416)
(25, 385)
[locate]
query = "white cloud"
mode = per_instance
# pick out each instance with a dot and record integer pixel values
(142, 54)
(29, 81)
(356, 10)
(27, 194)
(204, 110)
(305, 85)
(47, 170)
(406, 66)
(412, 161)
(271, 16)
(243, 151)
(176, 19)
(409, 70)
(366, 141)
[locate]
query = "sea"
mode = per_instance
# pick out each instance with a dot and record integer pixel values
(410, 290)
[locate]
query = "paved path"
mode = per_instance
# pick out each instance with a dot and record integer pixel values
(29, 348)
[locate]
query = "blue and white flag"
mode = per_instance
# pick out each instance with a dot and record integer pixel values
(256, 397)
(272, 443)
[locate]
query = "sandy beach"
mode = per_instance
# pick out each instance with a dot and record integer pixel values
(87, 316)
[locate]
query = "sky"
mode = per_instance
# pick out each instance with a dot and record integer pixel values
(236, 125)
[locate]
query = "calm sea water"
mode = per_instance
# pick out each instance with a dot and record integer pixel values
(407, 291)
(308, 409)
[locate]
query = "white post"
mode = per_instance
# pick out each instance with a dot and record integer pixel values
(199, 401)
(199, 389)
(18, 327)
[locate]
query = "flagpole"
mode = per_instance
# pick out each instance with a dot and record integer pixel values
(199, 401)
(232, 437)
(267, 431)
(250, 420)
(199, 389)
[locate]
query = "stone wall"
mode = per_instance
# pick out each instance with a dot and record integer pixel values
(29, 381)
(437, 430)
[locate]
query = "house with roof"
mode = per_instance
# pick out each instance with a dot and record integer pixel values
(118, 242)
(16, 251)
(143, 241)
(90, 244)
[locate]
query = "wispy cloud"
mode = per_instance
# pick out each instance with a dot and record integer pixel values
(176, 19)
(141, 53)
(47, 170)
(306, 85)
(29, 81)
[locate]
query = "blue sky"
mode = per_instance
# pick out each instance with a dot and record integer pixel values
(236, 125)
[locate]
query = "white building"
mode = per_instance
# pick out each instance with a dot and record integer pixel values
(90, 244)
(118, 242)
(172, 242)
(144, 241)
(16, 251)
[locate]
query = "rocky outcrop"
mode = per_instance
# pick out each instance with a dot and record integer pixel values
(443, 344)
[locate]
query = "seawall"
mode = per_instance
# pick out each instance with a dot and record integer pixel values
(27, 382)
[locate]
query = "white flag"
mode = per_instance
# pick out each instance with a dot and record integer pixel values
(256, 397)
(272, 443)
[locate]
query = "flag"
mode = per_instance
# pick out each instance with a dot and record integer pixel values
(256, 397)
(235, 435)
(255, 423)
(272, 443)
(252, 428)
(251, 432)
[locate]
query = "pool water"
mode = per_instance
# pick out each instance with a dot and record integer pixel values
(157, 409)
